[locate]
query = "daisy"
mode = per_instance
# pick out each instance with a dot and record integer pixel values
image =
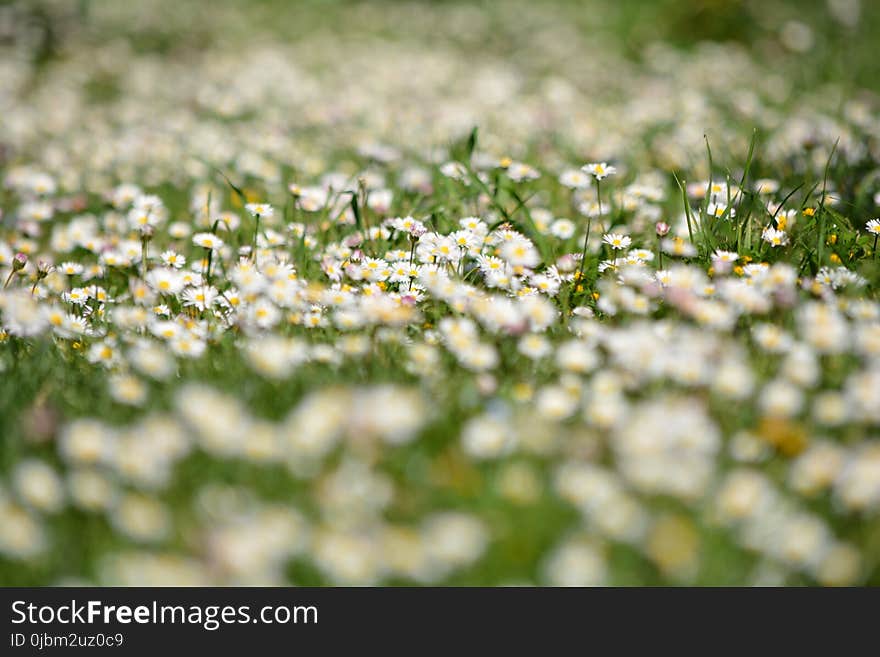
(873, 226)
(143, 218)
(152, 360)
(408, 225)
(165, 281)
(187, 346)
(123, 195)
(678, 247)
(228, 220)
(642, 255)
(563, 229)
(264, 314)
(401, 273)
(312, 199)
(397, 255)
(473, 224)
(260, 210)
(375, 269)
(490, 264)
(77, 296)
(517, 171)
(380, 200)
(179, 230)
(71, 326)
(270, 238)
(718, 211)
(534, 346)
(190, 278)
(725, 256)
(200, 297)
(766, 186)
(520, 252)
(36, 211)
(454, 170)
(443, 248)
(42, 184)
(464, 239)
(173, 259)
(127, 389)
(599, 170)
(593, 208)
(207, 241)
(54, 315)
(103, 353)
(605, 265)
(774, 237)
(545, 284)
(574, 179)
(165, 330)
(70, 268)
(617, 241)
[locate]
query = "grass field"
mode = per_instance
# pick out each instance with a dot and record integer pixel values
(508, 293)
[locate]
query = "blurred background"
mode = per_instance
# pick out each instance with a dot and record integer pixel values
(624, 79)
(835, 33)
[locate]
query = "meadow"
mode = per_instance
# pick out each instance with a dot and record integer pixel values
(454, 293)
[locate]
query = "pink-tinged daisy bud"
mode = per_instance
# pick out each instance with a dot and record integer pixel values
(517, 328)
(652, 289)
(487, 384)
(417, 230)
(357, 255)
(18, 263)
(785, 296)
(41, 422)
(662, 229)
(78, 203)
(353, 240)
(566, 263)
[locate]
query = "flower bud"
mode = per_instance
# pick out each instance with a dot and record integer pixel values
(566, 263)
(353, 240)
(662, 229)
(43, 269)
(19, 261)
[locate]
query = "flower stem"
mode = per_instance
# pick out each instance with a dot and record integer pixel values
(208, 269)
(412, 256)
(256, 232)
(580, 276)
